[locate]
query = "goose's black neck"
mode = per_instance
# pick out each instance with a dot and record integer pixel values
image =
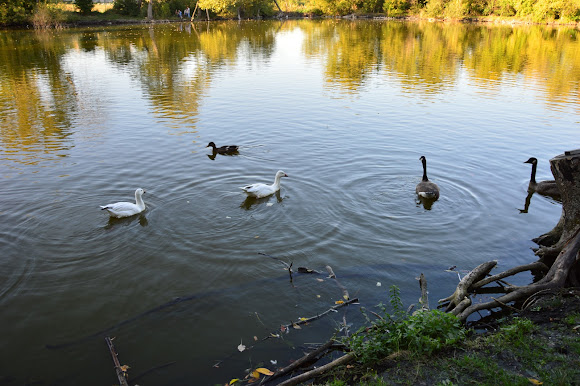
(424, 161)
(533, 176)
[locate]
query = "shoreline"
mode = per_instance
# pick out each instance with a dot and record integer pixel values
(88, 21)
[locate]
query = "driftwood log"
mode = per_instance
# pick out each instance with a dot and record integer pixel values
(559, 254)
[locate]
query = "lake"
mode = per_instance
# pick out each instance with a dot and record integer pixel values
(345, 108)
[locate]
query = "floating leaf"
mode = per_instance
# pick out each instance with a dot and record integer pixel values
(234, 381)
(345, 297)
(283, 328)
(255, 374)
(379, 284)
(535, 381)
(320, 279)
(265, 371)
(297, 327)
(303, 319)
(241, 347)
(255, 338)
(274, 362)
(339, 302)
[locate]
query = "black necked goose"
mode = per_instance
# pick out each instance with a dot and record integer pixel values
(546, 188)
(426, 188)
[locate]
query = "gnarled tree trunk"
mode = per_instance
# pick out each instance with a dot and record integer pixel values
(560, 252)
(566, 171)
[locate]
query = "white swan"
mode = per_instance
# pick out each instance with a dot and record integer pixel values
(126, 209)
(262, 190)
(426, 188)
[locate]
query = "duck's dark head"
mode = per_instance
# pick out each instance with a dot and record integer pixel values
(211, 144)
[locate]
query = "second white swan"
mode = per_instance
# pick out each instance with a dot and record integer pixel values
(259, 190)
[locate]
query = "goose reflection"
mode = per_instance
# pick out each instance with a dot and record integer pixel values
(527, 202)
(126, 221)
(253, 201)
(426, 202)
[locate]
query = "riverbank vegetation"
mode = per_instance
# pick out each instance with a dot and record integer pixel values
(53, 14)
(538, 346)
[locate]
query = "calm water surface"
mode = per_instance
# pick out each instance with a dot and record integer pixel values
(344, 108)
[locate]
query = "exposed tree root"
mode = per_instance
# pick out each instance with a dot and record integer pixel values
(561, 273)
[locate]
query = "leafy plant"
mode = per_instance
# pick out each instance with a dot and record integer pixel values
(423, 332)
(517, 329)
(573, 318)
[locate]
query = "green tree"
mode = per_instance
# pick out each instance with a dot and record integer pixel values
(127, 7)
(15, 11)
(217, 6)
(238, 7)
(339, 7)
(396, 7)
(85, 6)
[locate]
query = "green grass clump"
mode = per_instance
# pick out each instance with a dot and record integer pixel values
(423, 332)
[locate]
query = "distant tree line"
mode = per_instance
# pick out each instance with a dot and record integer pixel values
(533, 10)
(20, 11)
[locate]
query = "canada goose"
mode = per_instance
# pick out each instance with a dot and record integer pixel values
(426, 188)
(259, 190)
(546, 188)
(126, 209)
(231, 149)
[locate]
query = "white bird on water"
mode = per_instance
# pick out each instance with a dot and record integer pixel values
(126, 209)
(259, 190)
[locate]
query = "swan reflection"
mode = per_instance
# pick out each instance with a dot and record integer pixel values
(253, 201)
(126, 221)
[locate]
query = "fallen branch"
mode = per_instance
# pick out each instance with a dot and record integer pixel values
(424, 300)
(318, 371)
(286, 328)
(333, 276)
(121, 373)
(298, 363)
(313, 318)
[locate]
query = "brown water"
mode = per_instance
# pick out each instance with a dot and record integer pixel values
(344, 108)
